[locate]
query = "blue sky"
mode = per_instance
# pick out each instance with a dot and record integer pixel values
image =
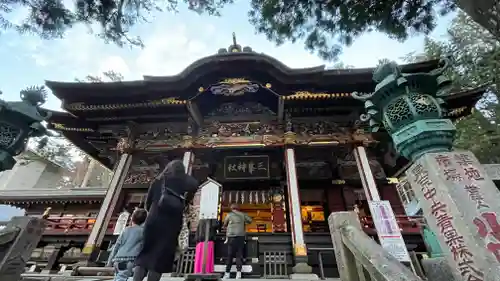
(6, 212)
(173, 41)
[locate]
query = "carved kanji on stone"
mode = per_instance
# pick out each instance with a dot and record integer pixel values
(487, 225)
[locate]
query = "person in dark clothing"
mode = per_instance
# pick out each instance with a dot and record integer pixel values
(165, 203)
(235, 239)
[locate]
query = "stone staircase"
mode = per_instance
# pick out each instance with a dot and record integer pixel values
(357, 256)
(108, 278)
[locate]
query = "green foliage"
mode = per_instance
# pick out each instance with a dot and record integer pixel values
(328, 25)
(477, 134)
(56, 150)
(341, 65)
(109, 75)
(52, 18)
(475, 55)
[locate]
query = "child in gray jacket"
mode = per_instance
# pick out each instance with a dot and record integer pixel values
(128, 246)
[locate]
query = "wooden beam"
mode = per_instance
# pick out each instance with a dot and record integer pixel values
(195, 113)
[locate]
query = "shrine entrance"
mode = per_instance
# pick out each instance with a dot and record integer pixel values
(263, 201)
(254, 180)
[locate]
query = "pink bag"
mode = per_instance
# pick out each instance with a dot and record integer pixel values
(198, 259)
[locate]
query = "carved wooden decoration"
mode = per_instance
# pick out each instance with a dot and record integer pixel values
(245, 109)
(234, 89)
(257, 126)
(310, 130)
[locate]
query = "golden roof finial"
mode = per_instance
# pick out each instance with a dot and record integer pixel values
(234, 39)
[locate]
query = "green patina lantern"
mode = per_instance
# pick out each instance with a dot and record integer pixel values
(409, 107)
(20, 121)
(431, 242)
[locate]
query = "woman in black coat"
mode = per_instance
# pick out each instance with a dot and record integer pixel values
(165, 203)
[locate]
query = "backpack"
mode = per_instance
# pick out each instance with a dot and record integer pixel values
(170, 200)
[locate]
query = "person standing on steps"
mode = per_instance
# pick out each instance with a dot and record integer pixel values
(235, 223)
(128, 246)
(170, 191)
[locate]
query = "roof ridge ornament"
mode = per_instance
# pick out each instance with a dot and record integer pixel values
(235, 48)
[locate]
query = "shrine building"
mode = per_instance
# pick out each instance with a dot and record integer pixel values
(284, 143)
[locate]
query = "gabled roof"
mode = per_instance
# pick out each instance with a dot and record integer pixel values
(253, 66)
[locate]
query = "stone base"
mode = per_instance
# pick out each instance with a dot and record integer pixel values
(437, 269)
(202, 277)
(304, 276)
(302, 268)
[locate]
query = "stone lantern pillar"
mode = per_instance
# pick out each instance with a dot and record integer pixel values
(458, 200)
(19, 121)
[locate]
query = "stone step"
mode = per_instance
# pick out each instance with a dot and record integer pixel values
(164, 278)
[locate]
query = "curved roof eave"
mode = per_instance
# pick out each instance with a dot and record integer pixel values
(57, 88)
(235, 57)
(481, 89)
(284, 69)
(66, 90)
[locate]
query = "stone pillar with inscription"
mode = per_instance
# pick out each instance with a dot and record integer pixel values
(458, 200)
(92, 246)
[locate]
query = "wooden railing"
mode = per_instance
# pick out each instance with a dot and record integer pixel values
(359, 257)
(83, 225)
(73, 225)
(407, 225)
(46, 252)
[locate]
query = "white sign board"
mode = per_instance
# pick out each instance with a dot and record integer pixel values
(209, 199)
(121, 223)
(388, 230)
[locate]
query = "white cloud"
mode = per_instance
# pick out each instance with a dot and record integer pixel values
(196, 47)
(209, 29)
(174, 42)
(116, 64)
(168, 52)
(40, 59)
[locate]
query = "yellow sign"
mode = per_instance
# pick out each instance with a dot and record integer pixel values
(234, 81)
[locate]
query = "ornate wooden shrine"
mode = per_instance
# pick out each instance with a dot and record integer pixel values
(284, 143)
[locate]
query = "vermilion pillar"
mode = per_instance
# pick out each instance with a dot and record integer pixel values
(365, 174)
(299, 244)
(188, 160)
(383, 216)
